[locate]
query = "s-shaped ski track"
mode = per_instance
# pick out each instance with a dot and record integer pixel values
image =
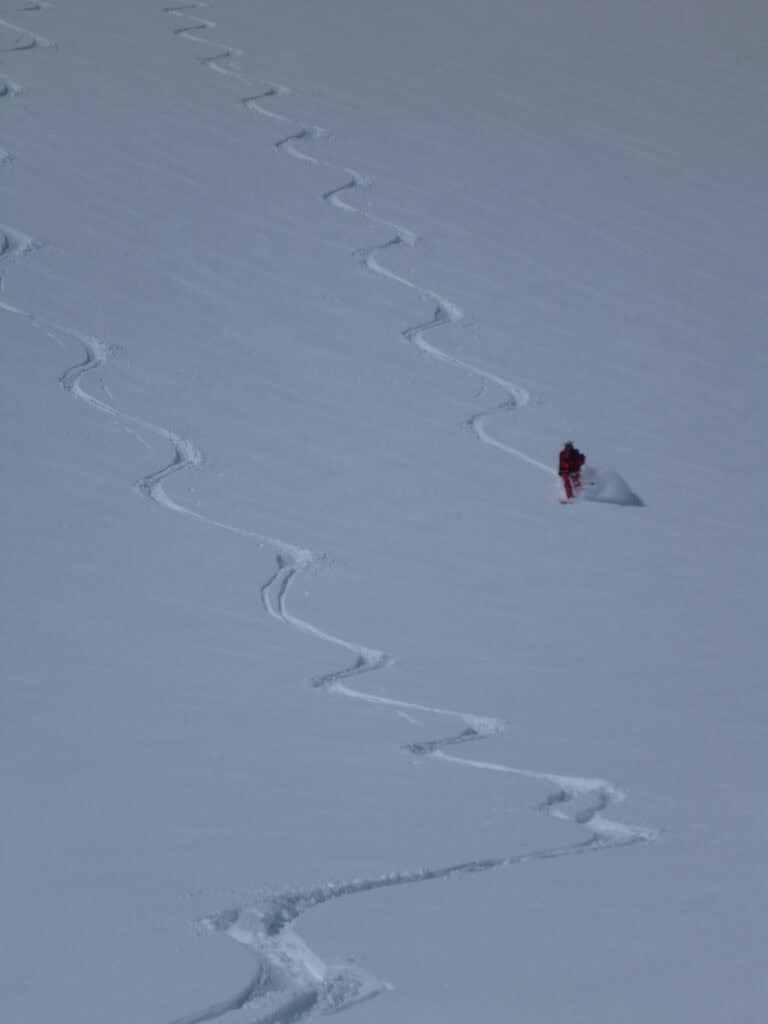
(291, 983)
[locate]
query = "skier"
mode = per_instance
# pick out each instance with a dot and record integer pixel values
(571, 461)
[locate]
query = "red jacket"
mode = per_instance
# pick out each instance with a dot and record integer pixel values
(571, 461)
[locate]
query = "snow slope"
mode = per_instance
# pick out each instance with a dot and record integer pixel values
(313, 693)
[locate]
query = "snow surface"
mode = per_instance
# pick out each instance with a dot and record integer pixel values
(313, 692)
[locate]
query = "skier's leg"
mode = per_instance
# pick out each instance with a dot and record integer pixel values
(567, 486)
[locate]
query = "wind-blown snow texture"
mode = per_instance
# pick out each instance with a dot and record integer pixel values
(314, 693)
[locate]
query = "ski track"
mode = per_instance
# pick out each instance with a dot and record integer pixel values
(25, 39)
(291, 983)
(15, 244)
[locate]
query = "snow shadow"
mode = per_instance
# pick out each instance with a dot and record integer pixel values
(609, 487)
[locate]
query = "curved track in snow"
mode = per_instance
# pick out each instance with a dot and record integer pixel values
(15, 37)
(290, 983)
(446, 313)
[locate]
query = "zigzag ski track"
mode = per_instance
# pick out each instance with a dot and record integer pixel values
(290, 983)
(15, 37)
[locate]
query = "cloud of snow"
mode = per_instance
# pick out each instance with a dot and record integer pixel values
(608, 486)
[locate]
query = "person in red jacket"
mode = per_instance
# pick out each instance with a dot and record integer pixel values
(571, 461)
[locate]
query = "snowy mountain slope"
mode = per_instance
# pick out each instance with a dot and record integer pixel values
(299, 302)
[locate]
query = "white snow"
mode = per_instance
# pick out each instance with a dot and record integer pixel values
(314, 696)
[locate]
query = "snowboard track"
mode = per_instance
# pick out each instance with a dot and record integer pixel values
(290, 983)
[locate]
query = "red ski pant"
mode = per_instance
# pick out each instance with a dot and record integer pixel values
(571, 483)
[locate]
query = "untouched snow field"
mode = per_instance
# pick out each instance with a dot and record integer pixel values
(314, 696)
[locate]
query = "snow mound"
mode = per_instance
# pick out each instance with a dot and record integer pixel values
(608, 486)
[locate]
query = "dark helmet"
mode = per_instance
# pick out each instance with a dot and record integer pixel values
(568, 444)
